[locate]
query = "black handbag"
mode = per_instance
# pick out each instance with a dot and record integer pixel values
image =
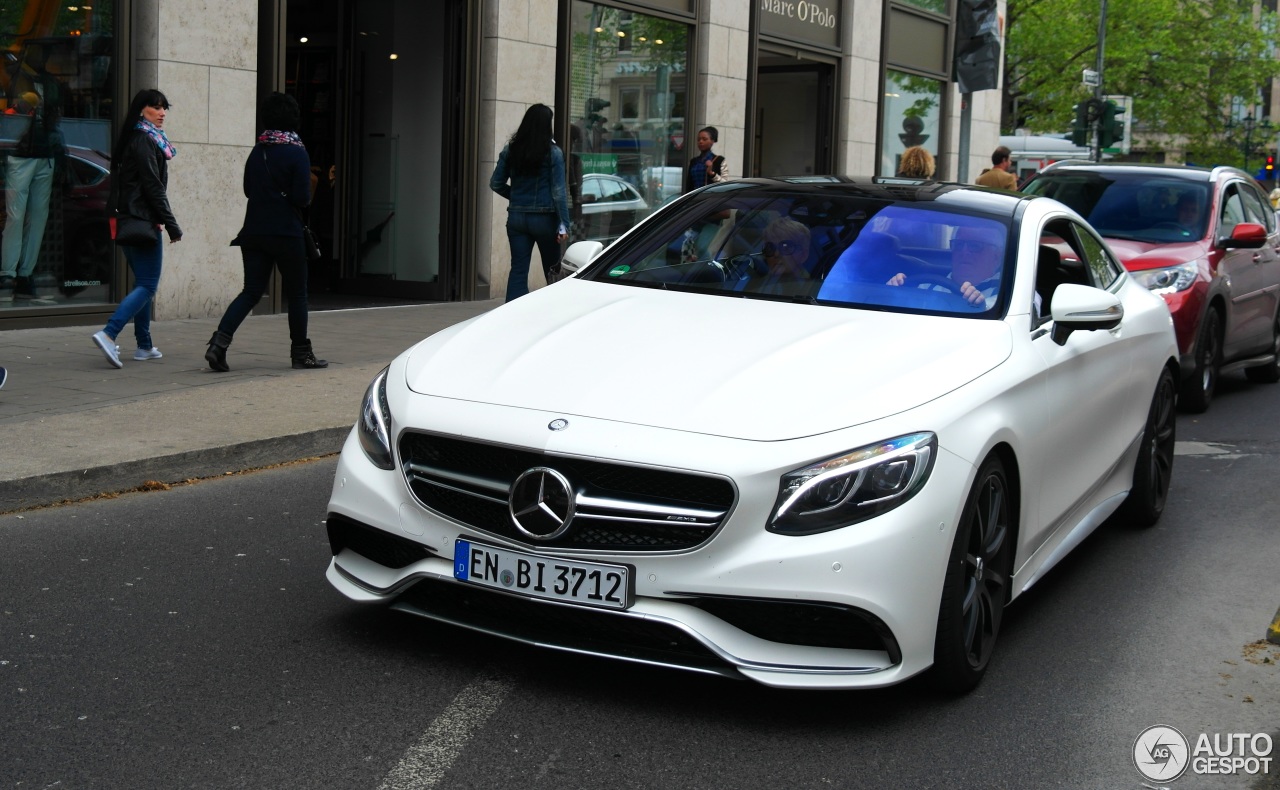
(126, 229)
(131, 231)
(309, 242)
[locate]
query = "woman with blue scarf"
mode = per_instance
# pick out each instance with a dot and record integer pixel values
(277, 182)
(140, 178)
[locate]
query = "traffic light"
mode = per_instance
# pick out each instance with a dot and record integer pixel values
(1080, 128)
(1111, 130)
(1270, 167)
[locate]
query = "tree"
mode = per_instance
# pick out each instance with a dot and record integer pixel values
(1186, 63)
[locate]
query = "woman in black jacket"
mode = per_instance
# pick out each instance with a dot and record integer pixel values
(277, 181)
(140, 177)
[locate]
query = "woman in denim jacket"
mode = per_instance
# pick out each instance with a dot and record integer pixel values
(538, 210)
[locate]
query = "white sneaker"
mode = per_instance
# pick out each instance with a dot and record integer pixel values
(143, 354)
(109, 349)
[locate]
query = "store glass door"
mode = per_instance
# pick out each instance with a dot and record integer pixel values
(794, 113)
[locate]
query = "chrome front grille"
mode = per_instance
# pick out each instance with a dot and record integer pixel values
(620, 508)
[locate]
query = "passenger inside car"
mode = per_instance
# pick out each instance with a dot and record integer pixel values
(977, 254)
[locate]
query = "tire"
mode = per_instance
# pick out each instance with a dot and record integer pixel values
(976, 585)
(1270, 373)
(1197, 391)
(1154, 468)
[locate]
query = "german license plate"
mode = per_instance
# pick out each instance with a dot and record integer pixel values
(573, 581)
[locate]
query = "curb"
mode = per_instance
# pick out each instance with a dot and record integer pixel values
(41, 490)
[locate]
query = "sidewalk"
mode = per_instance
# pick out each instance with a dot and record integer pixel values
(74, 426)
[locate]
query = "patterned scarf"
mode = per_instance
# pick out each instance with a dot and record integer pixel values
(157, 136)
(272, 137)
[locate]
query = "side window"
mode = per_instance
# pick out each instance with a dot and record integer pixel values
(612, 191)
(1104, 268)
(1232, 211)
(1063, 258)
(1257, 209)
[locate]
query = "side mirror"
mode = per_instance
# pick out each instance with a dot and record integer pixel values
(1246, 235)
(1083, 308)
(579, 254)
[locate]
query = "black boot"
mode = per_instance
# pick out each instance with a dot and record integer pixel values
(216, 356)
(303, 358)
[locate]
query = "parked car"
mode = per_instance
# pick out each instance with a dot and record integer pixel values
(611, 206)
(1206, 240)
(767, 462)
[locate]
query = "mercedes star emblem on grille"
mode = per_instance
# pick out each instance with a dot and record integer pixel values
(558, 424)
(541, 503)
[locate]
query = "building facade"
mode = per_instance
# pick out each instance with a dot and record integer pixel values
(406, 105)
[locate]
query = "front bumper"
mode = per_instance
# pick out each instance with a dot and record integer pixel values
(852, 608)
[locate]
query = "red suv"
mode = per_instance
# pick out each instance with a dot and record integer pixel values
(1206, 240)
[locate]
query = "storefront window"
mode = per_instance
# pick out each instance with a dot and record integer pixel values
(912, 108)
(627, 134)
(936, 6)
(57, 96)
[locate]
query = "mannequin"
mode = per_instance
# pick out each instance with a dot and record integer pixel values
(29, 171)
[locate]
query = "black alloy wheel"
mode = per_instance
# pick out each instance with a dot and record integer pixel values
(976, 585)
(1197, 391)
(1154, 467)
(1269, 373)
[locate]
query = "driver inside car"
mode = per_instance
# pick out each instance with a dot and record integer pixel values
(976, 258)
(785, 254)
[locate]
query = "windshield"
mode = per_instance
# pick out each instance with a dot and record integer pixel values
(1145, 207)
(844, 250)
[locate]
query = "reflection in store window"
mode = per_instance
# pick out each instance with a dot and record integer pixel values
(626, 114)
(55, 129)
(912, 108)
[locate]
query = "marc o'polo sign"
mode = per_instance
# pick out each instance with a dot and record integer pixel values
(802, 21)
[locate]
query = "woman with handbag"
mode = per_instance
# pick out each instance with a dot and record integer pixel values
(277, 181)
(140, 178)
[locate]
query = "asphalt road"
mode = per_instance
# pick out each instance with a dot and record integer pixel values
(187, 638)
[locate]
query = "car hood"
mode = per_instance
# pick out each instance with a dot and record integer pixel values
(1141, 255)
(725, 366)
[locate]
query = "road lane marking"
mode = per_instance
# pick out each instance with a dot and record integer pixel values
(426, 762)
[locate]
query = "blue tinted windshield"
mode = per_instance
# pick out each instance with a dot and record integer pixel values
(1147, 207)
(837, 250)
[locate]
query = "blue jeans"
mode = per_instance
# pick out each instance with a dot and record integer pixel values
(144, 262)
(524, 229)
(260, 255)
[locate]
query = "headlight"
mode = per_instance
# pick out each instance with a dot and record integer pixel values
(1168, 280)
(374, 422)
(853, 487)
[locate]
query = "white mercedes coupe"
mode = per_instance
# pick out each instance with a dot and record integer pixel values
(814, 432)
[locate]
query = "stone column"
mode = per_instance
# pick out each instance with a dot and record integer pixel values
(203, 55)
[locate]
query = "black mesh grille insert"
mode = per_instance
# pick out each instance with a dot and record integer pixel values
(384, 548)
(448, 460)
(803, 623)
(572, 627)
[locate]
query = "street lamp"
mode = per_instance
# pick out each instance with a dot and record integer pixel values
(1249, 124)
